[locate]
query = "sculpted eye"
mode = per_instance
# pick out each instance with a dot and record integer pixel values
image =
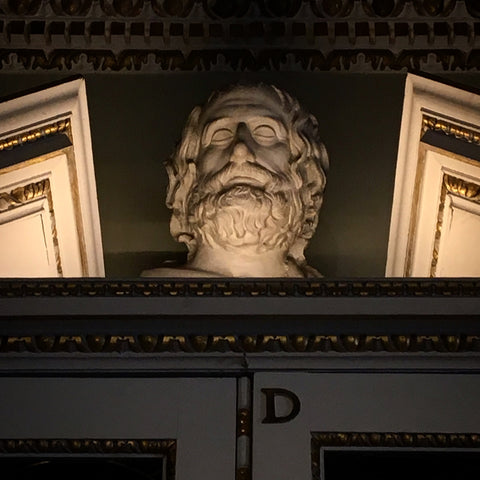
(264, 133)
(220, 136)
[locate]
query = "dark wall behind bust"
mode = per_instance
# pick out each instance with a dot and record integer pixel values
(136, 120)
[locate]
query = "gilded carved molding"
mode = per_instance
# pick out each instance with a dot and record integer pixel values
(35, 134)
(35, 190)
(25, 194)
(450, 183)
(461, 188)
(451, 129)
(64, 447)
(320, 440)
(150, 344)
(455, 186)
(102, 446)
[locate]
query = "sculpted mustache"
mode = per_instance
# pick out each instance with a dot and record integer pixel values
(218, 181)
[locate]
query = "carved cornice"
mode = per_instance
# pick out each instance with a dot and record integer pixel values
(362, 288)
(237, 9)
(320, 440)
(239, 35)
(249, 344)
(125, 302)
(239, 59)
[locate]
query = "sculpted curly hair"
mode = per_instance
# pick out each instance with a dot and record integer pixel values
(309, 160)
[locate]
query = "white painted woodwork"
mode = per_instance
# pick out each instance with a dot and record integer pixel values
(27, 236)
(417, 201)
(355, 402)
(26, 242)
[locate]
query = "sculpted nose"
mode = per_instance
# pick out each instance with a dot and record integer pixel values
(241, 152)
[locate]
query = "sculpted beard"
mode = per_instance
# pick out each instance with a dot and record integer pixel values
(265, 212)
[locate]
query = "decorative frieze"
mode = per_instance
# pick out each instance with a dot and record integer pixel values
(360, 288)
(239, 35)
(97, 344)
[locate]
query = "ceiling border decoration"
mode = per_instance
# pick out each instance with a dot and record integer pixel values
(83, 36)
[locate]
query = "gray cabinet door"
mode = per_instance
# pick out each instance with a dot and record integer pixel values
(300, 417)
(195, 415)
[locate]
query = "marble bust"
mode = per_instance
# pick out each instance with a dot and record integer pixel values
(246, 183)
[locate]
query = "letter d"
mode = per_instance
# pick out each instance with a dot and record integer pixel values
(270, 414)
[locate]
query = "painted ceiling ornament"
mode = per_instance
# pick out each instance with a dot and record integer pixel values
(246, 185)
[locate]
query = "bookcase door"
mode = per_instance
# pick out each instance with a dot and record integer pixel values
(303, 423)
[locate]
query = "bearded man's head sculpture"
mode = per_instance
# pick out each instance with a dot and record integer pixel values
(246, 184)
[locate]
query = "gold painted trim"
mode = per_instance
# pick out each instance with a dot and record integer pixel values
(23, 195)
(438, 227)
(244, 421)
(70, 153)
(154, 344)
(451, 129)
(320, 440)
(460, 188)
(36, 134)
(28, 193)
(33, 135)
(440, 125)
(35, 160)
(422, 153)
(244, 429)
(73, 178)
(65, 447)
